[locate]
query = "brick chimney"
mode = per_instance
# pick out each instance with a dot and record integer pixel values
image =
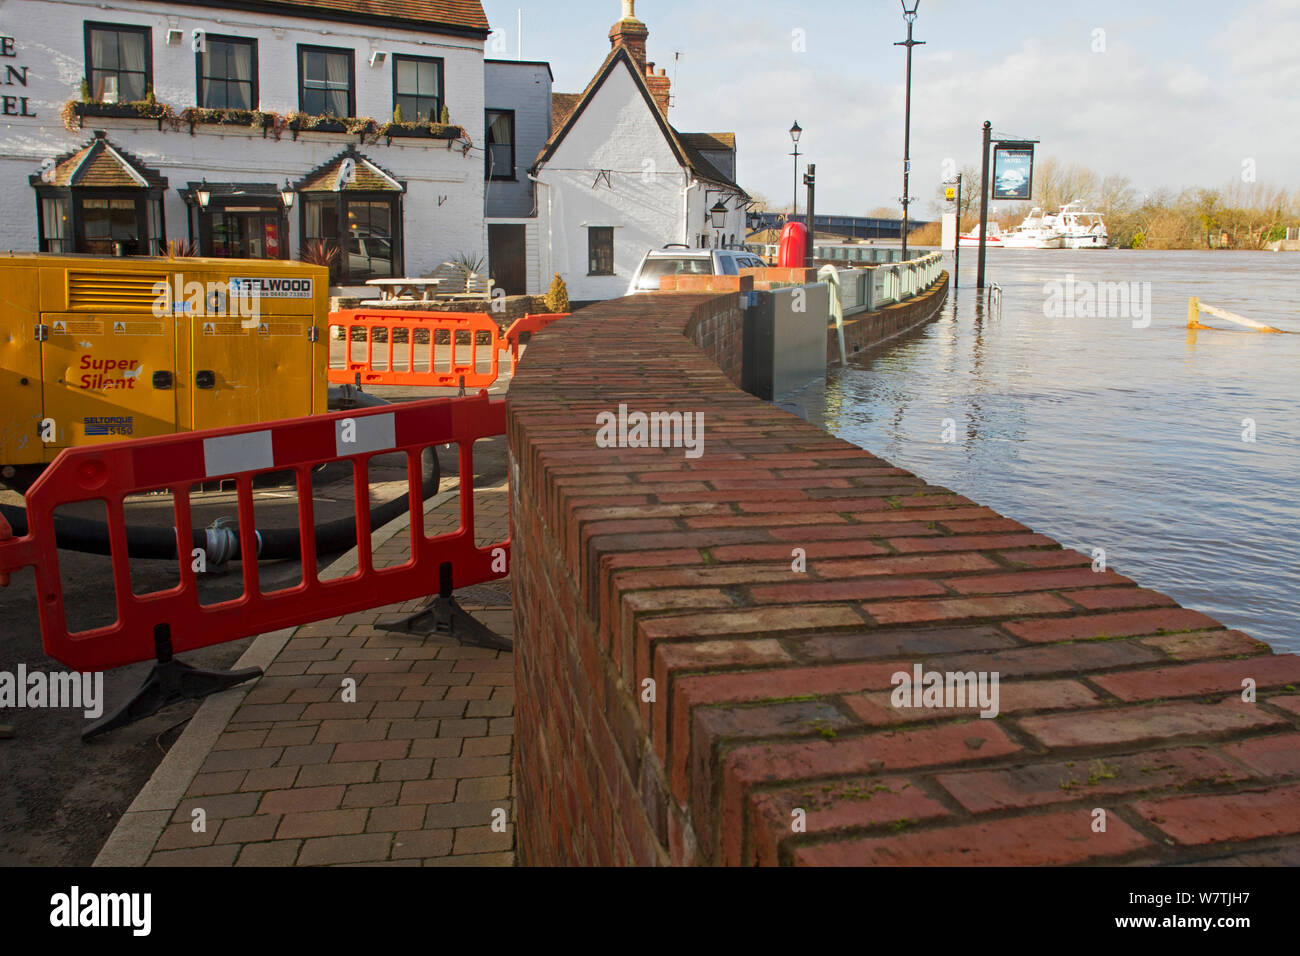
(660, 87)
(631, 33)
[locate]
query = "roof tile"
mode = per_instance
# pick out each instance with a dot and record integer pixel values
(465, 14)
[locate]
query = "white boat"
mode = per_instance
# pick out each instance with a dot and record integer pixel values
(1080, 227)
(972, 238)
(1036, 232)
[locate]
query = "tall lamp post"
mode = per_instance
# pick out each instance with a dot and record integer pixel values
(795, 132)
(909, 14)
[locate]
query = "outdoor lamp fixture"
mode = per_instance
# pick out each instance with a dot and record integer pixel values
(795, 132)
(203, 194)
(718, 215)
(287, 195)
(909, 14)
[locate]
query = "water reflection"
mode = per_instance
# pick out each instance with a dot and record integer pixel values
(1103, 433)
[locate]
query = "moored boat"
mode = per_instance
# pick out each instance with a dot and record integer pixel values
(1036, 232)
(972, 238)
(1081, 227)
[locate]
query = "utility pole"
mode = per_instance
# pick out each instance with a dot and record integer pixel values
(810, 180)
(909, 14)
(984, 204)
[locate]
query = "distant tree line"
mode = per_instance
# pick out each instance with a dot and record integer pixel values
(1240, 215)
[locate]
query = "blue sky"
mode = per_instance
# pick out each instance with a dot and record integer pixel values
(1171, 93)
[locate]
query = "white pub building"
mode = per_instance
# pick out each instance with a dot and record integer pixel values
(377, 132)
(247, 129)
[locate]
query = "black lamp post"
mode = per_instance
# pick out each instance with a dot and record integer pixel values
(909, 14)
(795, 132)
(287, 195)
(203, 194)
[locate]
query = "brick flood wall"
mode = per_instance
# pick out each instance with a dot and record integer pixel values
(769, 735)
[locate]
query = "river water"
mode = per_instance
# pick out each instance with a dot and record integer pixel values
(1105, 430)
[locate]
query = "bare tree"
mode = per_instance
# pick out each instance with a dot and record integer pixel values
(970, 195)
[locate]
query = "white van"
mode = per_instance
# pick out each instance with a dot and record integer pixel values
(682, 260)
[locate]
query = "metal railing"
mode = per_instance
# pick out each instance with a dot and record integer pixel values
(855, 255)
(865, 255)
(874, 288)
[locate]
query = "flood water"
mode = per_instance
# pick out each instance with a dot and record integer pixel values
(1086, 426)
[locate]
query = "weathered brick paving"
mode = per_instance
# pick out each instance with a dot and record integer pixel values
(772, 688)
(409, 773)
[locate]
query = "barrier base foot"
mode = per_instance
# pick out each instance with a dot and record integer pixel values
(444, 617)
(168, 682)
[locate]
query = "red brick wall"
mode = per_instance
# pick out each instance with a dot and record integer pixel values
(772, 686)
(717, 327)
(706, 283)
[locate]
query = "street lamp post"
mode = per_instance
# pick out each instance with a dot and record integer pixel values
(795, 132)
(909, 14)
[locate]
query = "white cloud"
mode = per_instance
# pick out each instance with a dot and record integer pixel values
(1177, 99)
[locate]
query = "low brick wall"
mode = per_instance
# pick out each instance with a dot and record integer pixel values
(717, 328)
(688, 693)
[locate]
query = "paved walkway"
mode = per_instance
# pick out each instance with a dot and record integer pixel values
(415, 770)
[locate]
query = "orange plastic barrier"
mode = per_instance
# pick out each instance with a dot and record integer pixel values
(529, 323)
(109, 473)
(421, 359)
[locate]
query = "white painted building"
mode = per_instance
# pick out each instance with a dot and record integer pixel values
(616, 180)
(518, 124)
(273, 128)
(243, 127)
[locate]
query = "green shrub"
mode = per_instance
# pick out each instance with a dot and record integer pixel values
(557, 298)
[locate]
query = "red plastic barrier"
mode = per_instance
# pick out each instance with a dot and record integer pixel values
(529, 323)
(420, 363)
(178, 463)
(793, 251)
(15, 553)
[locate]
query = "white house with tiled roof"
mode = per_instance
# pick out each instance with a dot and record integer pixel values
(616, 179)
(246, 127)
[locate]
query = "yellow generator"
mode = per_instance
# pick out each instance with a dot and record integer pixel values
(98, 350)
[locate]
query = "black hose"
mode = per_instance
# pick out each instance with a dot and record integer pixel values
(277, 544)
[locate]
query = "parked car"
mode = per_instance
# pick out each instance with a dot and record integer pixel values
(682, 260)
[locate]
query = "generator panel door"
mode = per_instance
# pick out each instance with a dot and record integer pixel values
(244, 375)
(107, 377)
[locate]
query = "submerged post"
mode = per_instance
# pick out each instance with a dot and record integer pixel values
(956, 245)
(984, 204)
